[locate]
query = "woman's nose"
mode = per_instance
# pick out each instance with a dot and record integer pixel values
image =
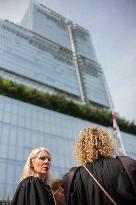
(46, 160)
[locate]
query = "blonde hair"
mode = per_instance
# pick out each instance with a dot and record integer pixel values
(92, 144)
(28, 169)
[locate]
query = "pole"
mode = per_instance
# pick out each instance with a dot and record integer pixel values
(116, 128)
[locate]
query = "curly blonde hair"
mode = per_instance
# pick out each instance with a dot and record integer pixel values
(92, 144)
(28, 169)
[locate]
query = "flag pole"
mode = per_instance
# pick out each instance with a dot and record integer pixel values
(115, 125)
(116, 128)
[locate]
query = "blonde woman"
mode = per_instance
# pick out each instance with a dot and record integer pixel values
(33, 188)
(95, 150)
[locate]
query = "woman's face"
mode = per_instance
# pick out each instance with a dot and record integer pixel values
(41, 164)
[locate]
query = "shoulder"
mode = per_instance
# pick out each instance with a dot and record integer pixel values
(70, 173)
(22, 184)
(67, 182)
(21, 190)
(126, 160)
(69, 176)
(28, 180)
(128, 163)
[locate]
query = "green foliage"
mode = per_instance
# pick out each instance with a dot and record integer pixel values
(57, 102)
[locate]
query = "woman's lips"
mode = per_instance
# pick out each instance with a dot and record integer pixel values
(46, 168)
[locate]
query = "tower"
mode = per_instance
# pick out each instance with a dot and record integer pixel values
(52, 54)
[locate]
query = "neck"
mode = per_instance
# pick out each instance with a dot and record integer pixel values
(41, 176)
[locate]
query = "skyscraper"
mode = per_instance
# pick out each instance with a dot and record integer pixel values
(52, 54)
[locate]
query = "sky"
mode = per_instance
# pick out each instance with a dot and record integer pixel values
(112, 26)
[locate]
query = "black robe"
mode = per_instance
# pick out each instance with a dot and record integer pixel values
(111, 175)
(32, 191)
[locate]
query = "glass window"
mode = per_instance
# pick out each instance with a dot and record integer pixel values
(3, 168)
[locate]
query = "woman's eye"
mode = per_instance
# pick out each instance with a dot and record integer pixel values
(41, 158)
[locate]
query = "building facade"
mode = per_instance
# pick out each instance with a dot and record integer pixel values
(52, 54)
(51, 50)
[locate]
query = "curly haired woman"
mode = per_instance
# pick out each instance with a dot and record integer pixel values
(94, 150)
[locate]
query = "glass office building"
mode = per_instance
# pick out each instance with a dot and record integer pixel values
(52, 54)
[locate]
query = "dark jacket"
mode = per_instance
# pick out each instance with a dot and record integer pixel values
(32, 191)
(111, 175)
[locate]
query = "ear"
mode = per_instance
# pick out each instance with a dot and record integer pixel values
(31, 163)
